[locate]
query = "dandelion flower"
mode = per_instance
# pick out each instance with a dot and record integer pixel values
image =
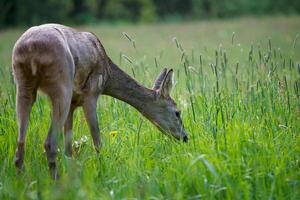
(113, 134)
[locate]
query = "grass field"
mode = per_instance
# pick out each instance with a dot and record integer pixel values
(238, 86)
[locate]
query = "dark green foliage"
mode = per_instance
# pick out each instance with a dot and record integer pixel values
(130, 10)
(30, 12)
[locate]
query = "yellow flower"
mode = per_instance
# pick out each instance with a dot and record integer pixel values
(113, 134)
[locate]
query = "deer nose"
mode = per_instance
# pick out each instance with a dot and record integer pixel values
(185, 139)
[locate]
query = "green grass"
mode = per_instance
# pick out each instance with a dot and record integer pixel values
(240, 106)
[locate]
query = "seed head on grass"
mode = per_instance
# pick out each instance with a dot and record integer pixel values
(295, 41)
(130, 39)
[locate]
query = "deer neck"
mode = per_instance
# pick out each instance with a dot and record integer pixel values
(123, 87)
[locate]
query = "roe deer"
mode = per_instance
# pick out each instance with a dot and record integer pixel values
(72, 68)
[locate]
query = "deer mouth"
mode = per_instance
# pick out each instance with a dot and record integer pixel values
(183, 136)
(169, 132)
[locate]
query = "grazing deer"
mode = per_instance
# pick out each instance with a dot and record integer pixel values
(72, 68)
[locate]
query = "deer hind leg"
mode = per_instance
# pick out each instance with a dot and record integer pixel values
(68, 131)
(26, 95)
(89, 109)
(60, 95)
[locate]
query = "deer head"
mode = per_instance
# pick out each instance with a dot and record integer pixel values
(165, 115)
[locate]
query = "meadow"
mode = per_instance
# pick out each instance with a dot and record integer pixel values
(238, 87)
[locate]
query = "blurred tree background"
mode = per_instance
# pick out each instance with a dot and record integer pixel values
(31, 12)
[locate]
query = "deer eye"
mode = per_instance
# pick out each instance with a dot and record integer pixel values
(177, 113)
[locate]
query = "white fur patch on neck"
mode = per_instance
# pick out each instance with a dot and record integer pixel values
(100, 81)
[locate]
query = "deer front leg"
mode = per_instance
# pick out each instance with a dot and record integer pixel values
(89, 109)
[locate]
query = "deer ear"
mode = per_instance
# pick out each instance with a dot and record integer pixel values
(167, 84)
(159, 79)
